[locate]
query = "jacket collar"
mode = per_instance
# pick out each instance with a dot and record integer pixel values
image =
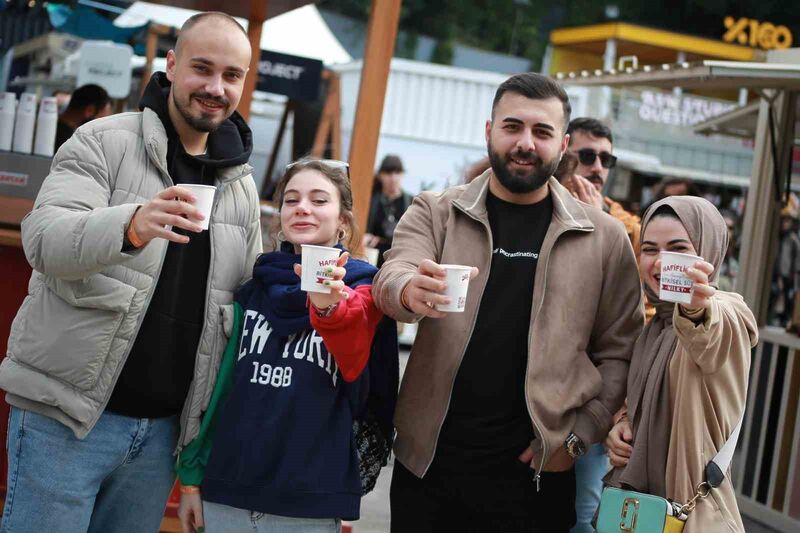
(567, 211)
(156, 142)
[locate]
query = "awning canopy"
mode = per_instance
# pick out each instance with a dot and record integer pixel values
(706, 75)
(739, 122)
(650, 45)
(237, 8)
(279, 34)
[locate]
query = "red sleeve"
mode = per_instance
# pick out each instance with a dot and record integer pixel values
(348, 332)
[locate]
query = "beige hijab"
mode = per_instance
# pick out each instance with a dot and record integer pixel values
(648, 384)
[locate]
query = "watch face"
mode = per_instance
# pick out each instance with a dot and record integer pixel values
(575, 446)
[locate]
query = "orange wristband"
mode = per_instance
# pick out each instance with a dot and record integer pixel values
(133, 237)
(190, 489)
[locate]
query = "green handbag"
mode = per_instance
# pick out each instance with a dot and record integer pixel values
(628, 511)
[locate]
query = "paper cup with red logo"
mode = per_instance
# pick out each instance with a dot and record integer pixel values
(457, 285)
(205, 200)
(675, 285)
(315, 263)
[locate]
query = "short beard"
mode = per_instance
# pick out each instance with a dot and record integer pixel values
(521, 182)
(202, 123)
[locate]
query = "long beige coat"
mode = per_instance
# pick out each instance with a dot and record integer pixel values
(708, 387)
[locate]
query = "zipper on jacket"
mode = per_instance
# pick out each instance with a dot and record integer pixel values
(186, 406)
(537, 478)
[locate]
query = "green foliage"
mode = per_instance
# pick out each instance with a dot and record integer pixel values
(522, 27)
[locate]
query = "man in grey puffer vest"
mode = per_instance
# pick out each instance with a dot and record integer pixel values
(113, 354)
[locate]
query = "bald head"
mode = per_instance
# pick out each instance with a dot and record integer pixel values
(207, 17)
(207, 70)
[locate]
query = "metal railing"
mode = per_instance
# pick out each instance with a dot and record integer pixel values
(767, 467)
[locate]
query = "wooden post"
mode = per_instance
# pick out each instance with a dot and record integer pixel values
(258, 14)
(378, 50)
(154, 32)
(151, 50)
(760, 227)
(330, 120)
(276, 146)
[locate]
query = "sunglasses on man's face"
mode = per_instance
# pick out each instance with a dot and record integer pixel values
(587, 156)
(330, 163)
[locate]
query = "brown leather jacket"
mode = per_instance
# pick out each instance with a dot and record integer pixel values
(586, 315)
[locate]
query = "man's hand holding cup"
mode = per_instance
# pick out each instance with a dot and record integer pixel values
(428, 288)
(175, 207)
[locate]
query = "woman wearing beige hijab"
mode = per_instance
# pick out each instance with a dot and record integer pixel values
(688, 377)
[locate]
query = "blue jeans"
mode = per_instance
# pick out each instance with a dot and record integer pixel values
(589, 472)
(116, 480)
(226, 519)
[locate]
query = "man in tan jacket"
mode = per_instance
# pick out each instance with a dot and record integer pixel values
(498, 401)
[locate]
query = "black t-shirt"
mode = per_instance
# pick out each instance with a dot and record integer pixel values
(488, 423)
(63, 132)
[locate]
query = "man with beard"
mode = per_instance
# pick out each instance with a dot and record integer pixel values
(591, 142)
(114, 353)
(498, 401)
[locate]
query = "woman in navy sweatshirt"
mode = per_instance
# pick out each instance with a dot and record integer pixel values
(277, 449)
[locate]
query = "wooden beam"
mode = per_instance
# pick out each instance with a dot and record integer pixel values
(258, 14)
(276, 147)
(154, 32)
(151, 49)
(378, 50)
(760, 227)
(329, 127)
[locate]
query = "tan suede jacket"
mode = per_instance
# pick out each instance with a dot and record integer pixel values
(586, 314)
(708, 387)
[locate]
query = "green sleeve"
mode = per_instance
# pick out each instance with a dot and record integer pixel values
(193, 458)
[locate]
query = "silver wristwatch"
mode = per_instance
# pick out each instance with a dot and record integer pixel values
(575, 446)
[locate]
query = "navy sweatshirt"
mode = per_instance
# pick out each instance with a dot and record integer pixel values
(283, 438)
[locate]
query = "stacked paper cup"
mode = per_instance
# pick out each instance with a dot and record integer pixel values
(46, 124)
(8, 109)
(24, 124)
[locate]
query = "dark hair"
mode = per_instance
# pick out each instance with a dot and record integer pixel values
(592, 126)
(340, 180)
(691, 188)
(536, 87)
(195, 19)
(391, 164)
(86, 95)
(566, 167)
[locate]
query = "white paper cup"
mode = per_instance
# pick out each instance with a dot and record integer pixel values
(675, 285)
(457, 285)
(315, 261)
(373, 254)
(205, 200)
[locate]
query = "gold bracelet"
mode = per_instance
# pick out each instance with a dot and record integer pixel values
(190, 489)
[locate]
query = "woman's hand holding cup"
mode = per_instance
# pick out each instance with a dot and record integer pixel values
(335, 283)
(701, 290)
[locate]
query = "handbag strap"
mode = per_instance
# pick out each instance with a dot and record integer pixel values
(715, 469)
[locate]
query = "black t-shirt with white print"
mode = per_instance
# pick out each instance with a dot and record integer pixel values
(487, 423)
